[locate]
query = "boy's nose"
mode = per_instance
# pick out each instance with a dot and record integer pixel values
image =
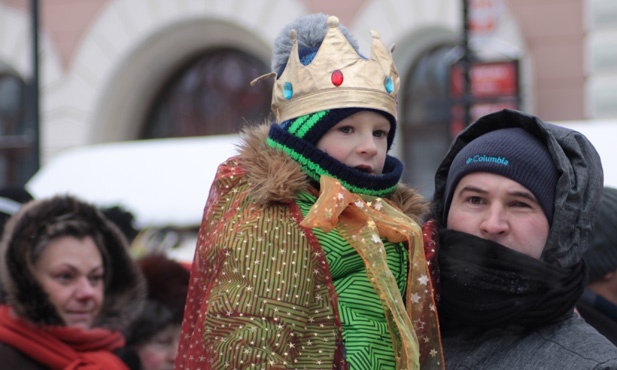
(367, 145)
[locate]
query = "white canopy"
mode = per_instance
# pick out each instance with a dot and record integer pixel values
(164, 182)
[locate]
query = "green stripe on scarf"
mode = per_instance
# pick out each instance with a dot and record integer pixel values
(315, 171)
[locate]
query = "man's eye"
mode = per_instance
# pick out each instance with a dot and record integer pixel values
(475, 200)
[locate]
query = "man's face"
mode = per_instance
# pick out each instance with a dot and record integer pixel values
(496, 208)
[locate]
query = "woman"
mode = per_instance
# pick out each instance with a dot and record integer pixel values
(70, 288)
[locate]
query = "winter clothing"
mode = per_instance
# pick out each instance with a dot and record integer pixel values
(324, 80)
(302, 260)
(316, 163)
(513, 153)
(32, 334)
(11, 200)
(167, 282)
(60, 347)
(268, 291)
(602, 255)
(501, 309)
(599, 313)
(158, 325)
(601, 259)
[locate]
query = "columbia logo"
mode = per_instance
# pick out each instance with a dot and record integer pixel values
(485, 158)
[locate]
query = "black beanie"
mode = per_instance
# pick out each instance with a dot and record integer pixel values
(513, 153)
(602, 254)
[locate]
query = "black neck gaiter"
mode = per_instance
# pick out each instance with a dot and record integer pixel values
(485, 284)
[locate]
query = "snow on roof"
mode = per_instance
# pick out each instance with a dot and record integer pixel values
(164, 182)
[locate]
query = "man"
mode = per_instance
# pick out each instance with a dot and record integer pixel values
(514, 202)
(598, 305)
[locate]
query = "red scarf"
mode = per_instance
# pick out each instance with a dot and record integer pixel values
(61, 347)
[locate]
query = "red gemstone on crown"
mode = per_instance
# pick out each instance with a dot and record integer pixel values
(337, 78)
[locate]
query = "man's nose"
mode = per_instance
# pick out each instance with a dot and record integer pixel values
(495, 221)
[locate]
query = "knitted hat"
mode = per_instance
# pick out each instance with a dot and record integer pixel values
(601, 257)
(299, 136)
(513, 153)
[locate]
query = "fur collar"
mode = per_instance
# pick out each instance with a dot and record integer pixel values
(277, 178)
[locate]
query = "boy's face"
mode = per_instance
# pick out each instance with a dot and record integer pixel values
(359, 141)
(497, 208)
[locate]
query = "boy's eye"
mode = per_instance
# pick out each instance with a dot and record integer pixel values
(346, 129)
(380, 133)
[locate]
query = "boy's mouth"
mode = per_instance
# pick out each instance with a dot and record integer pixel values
(365, 169)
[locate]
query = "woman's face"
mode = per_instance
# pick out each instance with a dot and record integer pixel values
(70, 270)
(159, 353)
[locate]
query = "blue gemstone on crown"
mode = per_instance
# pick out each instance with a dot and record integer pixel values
(288, 90)
(389, 85)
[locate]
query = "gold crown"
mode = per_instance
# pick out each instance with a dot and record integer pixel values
(337, 77)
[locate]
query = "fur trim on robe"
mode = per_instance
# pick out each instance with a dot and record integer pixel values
(278, 178)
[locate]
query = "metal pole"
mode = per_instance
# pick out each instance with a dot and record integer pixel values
(34, 86)
(466, 61)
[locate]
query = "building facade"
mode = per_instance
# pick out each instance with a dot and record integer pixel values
(115, 70)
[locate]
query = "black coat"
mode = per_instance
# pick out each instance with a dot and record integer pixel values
(602, 316)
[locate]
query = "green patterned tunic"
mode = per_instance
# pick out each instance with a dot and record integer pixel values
(365, 330)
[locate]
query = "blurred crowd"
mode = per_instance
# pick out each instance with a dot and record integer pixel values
(77, 290)
(313, 254)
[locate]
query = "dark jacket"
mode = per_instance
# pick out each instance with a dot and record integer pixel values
(124, 286)
(569, 343)
(599, 313)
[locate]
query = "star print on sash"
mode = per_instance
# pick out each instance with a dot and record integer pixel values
(363, 221)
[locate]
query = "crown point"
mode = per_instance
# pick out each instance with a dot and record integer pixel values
(333, 21)
(337, 77)
(375, 34)
(293, 34)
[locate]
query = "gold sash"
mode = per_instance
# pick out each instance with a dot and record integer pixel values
(363, 221)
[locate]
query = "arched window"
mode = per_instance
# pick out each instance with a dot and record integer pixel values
(15, 140)
(426, 116)
(211, 95)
